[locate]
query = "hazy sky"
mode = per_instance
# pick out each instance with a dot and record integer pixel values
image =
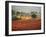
(26, 8)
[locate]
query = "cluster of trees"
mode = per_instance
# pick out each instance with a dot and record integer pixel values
(14, 16)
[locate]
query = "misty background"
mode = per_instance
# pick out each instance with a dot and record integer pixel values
(27, 9)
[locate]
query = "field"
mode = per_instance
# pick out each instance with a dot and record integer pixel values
(18, 25)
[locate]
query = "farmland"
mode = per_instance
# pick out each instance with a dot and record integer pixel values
(18, 25)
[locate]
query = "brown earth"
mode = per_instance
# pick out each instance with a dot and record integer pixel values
(18, 25)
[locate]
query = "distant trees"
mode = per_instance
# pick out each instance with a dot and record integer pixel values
(13, 12)
(17, 15)
(33, 14)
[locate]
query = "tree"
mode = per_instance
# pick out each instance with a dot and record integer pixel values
(13, 12)
(33, 14)
(17, 13)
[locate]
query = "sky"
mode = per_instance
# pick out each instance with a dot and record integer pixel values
(26, 9)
